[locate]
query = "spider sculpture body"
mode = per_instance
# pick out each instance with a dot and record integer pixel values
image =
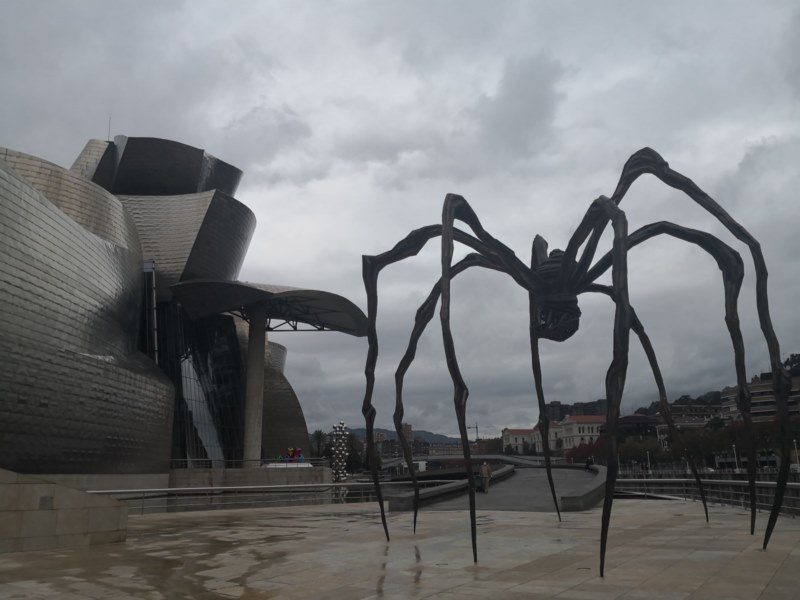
(554, 281)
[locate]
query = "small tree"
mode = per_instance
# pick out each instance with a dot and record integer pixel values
(354, 462)
(494, 445)
(793, 364)
(318, 438)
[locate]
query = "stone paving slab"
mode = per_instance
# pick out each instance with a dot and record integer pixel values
(658, 550)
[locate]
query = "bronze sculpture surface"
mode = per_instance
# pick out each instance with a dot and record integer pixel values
(554, 282)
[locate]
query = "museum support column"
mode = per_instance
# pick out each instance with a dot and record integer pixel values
(254, 392)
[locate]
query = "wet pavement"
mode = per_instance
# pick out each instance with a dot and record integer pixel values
(657, 550)
(526, 489)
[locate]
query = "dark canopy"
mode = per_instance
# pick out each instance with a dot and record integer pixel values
(201, 298)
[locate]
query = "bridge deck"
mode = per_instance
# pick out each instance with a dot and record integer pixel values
(526, 489)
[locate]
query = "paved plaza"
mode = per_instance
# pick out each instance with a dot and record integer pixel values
(658, 550)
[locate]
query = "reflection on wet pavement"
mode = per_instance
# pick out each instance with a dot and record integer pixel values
(658, 549)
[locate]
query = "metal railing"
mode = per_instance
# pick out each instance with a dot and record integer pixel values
(159, 500)
(210, 463)
(730, 492)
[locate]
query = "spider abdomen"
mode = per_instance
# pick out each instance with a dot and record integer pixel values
(559, 316)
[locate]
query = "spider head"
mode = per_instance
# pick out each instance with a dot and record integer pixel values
(559, 315)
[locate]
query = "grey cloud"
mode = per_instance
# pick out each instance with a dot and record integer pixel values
(252, 140)
(488, 134)
(353, 120)
(517, 119)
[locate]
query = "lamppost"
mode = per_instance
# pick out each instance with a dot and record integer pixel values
(735, 458)
(649, 467)
(796, 456)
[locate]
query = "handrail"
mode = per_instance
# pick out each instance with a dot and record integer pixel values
(149, 500)
(730, 492)
(213, 463)
(261, 487)
(711, 482)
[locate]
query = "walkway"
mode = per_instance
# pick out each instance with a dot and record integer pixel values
(658, 550)
(526, 489)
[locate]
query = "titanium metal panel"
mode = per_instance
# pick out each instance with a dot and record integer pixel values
(193, 235)
(87, 204)
(276, 356)
(75, 395)
(168, 227)
(222, 242)
(157, 167)
(284, 425)
(97, 162)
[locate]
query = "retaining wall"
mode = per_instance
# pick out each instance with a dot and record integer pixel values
(40, 515)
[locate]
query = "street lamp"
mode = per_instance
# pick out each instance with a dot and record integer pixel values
(796, 457)
(649, 467)
(735, 458)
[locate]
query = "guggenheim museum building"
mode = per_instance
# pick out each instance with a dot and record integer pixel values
(127, 343)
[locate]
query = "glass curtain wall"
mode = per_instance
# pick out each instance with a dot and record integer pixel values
(203, 359)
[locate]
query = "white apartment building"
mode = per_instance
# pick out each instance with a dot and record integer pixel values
(521, 440)
(573, 431)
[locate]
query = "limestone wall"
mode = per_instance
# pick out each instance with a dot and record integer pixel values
(39, 515)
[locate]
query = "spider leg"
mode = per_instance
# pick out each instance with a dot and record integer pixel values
(615, 377)
(647, 160)
(405, 248)
(544, 421)
(538, 256)
(423, 317)
(371, 268)
(732, 267)
(628, 170)
(674, 434)
(453, 206)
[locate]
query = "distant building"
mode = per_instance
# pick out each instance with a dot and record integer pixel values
(556, 411)
(763, 402)
(580, 429)
(694, 408)
(520, 440)
(681, 424)
(638, 427)
(573, 431)
(420, 446)
(437, 449)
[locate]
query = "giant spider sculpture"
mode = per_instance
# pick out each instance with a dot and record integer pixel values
(553, 282)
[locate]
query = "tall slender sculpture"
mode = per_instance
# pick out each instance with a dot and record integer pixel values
(553, 282)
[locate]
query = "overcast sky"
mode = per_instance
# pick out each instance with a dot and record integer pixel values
(352, 120)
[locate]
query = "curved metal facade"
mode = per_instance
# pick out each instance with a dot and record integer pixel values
(157, 167)
(276, 356)
(101, 269)
(204, 235)
(76, 395)
(89, 205)
(284, 425)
